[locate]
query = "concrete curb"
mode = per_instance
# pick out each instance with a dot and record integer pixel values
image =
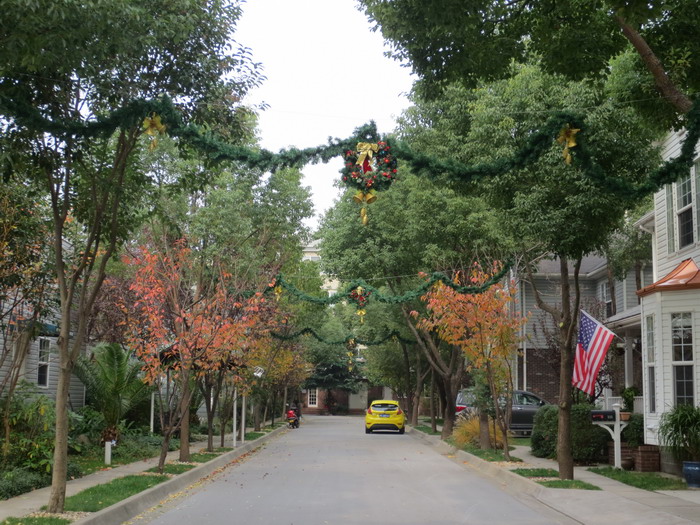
(138, 503)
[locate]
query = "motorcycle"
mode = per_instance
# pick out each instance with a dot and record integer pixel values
(292, 419)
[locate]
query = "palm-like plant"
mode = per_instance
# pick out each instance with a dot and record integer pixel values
(680, 431)
(114, 384)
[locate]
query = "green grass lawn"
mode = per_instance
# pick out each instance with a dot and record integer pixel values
(203, 457)
(102, 496)
(520, 441)
(173, 468)
(427, 430)
(34, 521)
(641, 480)
(489, 454)
(536, 472)
(568, 484)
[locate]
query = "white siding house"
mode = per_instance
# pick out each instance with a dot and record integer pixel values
(670, 306)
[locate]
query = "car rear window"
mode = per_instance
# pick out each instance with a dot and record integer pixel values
(384, 406)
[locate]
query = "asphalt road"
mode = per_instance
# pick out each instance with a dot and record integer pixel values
(330, 472)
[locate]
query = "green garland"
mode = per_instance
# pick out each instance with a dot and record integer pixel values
(133, 114)
(350, 290)
(348, 339)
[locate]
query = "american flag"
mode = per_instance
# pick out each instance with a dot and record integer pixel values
(593, 342)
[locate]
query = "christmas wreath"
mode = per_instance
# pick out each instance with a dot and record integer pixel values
(359, 171)
(369, 168)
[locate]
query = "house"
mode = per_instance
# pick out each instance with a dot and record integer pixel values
(611, 301)
(670, 305)
(39, 367)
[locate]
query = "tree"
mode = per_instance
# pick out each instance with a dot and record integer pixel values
(114, 384)
(25, 286)
(184, 325)
(448, 41)
(71, 62)
(552, 209)
(331, 369)
(486, 328)
(420, 224)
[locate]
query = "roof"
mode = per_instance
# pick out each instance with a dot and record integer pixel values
(685, 276)
(589, 265)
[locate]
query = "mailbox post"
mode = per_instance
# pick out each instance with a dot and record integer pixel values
(610, 421)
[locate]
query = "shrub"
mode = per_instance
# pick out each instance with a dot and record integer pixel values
(18, 481)
(679, 429)
(31, 442)
(588, 441)
(466, 432)
(544, 432)
(633, 433)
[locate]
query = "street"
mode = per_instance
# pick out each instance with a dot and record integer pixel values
(330, 472)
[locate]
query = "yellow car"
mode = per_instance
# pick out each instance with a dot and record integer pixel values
(385, 414)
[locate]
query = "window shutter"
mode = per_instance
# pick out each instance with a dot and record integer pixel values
(670, 220)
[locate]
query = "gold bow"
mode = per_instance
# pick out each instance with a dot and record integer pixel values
(278, 292)
(366, 150)
(567, 137)
(362, 314)
(153, 126)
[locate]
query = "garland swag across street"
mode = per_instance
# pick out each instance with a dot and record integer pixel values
(160, 115)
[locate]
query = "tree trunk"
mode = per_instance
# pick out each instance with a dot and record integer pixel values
(60, 455)
(185, 417)
(484, 435)
(433, 423)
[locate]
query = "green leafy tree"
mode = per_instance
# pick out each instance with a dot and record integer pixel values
(552, 209)
(448, 40)
(69, 61)
(114, 384)
(419, 225)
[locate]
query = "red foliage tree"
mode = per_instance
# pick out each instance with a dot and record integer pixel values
(184, 323)
(486, 327)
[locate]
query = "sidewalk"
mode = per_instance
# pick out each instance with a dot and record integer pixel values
(31, 502)
(616, 502)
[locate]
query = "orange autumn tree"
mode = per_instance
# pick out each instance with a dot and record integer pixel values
(184, 323)
(486, 327)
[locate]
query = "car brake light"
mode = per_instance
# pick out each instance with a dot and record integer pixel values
(369, 410)
(459, 409)
(399, 411)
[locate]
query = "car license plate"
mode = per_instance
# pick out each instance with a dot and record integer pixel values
(383, 415)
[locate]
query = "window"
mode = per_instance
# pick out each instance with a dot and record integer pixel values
(651, 369)
(684, 211)
(683, 382)
(42, 376)
(312, 397)
(682, 354)
(651, 388)
(604, 296)
(649, 342)
(682, 336)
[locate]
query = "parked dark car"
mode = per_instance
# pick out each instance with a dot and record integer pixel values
(524, 407)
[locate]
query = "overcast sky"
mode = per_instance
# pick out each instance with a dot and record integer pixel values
(326, 75)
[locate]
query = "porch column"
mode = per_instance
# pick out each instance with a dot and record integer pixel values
(629, 354)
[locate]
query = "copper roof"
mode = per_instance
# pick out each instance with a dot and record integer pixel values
(685, 276)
